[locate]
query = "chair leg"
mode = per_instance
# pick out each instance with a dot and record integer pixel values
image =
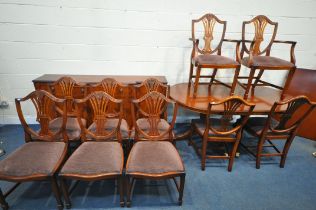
(191, 73)
(56, 193)
(190, 136)
(232, 156)
(64, 189)
(4, 204)
(128, 190)
(232, 90)
(181, 189)
(285, 151)
(196, 82)
(203, 155)
(258, 77)
(259, 151)
(213, 77)
(250, 78)
(120, 183)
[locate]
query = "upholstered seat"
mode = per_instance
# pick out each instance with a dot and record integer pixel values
(268, 62)
(154, 157)
(257, 124)
(111, 124)
(72, 127)
(33, 158)
(216, 124)
(95, 158)
(214, 60)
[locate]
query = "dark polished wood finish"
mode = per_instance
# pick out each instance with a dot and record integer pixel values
(278, 126)
(43, 140)
(260, 59)
(221, 129)
(87, 81)
(182, 94)
(208, 57)
(304, 83)
(150, 127)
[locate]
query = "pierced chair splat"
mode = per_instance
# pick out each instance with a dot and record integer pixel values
(45, 149)
(258, 57)
(219, 126)
(282, 123)
(65, 88)
(209, 57)
(153, 136)
(100, 156)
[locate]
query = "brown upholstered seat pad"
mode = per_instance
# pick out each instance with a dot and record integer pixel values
(213, 60)
(214, 122)
(111, 124)
(267, 61)
(32, 158)
(154, 157)
(72, 126)
(92, 158)
(257, 124)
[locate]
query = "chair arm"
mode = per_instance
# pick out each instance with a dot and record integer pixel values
(195, 48)
(292, 43)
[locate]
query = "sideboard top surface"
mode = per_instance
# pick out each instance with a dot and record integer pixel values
(125, 79)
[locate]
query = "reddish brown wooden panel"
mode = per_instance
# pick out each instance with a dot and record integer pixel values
(304, 83)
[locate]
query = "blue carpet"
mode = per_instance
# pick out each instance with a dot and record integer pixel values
(293, 187)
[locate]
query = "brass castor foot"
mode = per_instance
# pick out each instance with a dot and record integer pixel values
(68, 206)
(60, 207)
(122, 203)
(314, 154)
(128, 204)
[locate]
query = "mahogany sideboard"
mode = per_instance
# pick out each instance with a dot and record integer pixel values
(43, 82)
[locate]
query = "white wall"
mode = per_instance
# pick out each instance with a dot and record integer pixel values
(127, 37)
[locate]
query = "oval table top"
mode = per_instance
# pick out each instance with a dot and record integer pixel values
(264, 97)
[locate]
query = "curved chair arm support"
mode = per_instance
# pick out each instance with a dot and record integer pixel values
(29, 132)
(293, 44)
(238, 57)
(195, 48)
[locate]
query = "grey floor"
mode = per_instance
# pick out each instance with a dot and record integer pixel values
(293, 187)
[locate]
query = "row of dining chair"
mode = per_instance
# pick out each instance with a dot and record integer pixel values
(100, 155)
(227, 120)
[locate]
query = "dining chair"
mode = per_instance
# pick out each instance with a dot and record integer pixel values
(45, 149)
(223, 124)
(282, 123)
(153, 156)
(258, 56)
(100, 156)
(66, 88)
(211, 57)
(118, 91)
(148, 85)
